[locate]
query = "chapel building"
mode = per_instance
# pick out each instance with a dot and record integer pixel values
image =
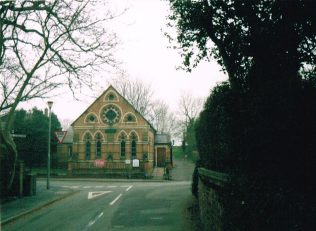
(112, 137)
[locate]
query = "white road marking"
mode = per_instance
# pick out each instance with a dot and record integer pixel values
(94, 220)
(74, 187)
(87, 187)
(118, 197)
(129, 188)
(112, 186)
(96, 194)
(99, 186)
(61, 192)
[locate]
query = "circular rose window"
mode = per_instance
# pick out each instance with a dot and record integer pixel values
(110, 114)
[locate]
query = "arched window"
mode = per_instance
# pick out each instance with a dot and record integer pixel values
(129, 118)
(123, 148)
(88, 146)
(133, 146)
(98, 145)
(134, 149)
(122, 145)
(91, 118)
(111, 96)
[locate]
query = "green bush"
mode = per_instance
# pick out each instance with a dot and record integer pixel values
(214, 128)
(266, 143)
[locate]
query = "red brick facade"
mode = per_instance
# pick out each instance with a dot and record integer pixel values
(110, 129)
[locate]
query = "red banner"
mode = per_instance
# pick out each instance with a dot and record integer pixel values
(99, 163)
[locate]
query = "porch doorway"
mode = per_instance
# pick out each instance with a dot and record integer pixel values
(161, 157)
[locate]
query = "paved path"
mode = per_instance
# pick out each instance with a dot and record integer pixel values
(18, 207)
(183, 170)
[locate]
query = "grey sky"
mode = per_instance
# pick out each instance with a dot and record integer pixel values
(144, 55)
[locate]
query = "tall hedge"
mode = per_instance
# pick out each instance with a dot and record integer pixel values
(266, 143)
(214, 129)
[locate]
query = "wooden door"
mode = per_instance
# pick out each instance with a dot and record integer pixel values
(161, 157)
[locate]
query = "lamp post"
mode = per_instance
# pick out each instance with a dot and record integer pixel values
(50, 104)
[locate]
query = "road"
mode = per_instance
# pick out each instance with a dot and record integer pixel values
(101, 205)
(104, 205)
(129, 205)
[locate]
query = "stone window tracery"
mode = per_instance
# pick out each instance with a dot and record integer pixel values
(110, 114)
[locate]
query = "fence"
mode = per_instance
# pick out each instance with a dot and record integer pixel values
(109, 169)
(107, 165)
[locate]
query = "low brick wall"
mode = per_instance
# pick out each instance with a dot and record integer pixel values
(110, 169)
(209, 187)
(211, 210)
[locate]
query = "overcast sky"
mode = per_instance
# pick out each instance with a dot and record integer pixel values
(144, 54)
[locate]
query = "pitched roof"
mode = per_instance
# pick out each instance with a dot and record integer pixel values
(104, 93)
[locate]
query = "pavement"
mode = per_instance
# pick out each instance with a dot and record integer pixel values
(15, 208)
(18, 207)
(182, 170)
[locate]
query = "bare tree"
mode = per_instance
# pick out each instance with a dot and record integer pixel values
(141, 95)
(45, 45)
(189, 107)
(163, 119)
(135, 91)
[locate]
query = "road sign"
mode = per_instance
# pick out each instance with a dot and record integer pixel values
(60, 135)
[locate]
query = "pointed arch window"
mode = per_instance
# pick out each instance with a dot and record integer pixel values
(87, 146)
(98, 145)
(122, 146)
(133, 146)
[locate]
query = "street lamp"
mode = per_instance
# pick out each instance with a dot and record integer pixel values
(50, 104)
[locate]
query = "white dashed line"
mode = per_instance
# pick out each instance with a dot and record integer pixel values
(73, 187)
(118, 197)
(99, 186)
(94, 221)
(129, 188)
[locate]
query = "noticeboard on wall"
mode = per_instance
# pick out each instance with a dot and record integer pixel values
(135, 163)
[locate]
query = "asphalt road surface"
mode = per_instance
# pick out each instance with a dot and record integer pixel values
(129, 205)
(112, 206)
